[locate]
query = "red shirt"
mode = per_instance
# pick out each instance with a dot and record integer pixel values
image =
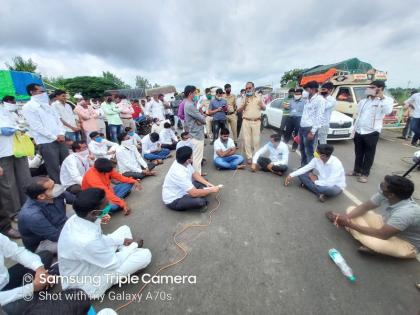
(137, 110)
(95, 179)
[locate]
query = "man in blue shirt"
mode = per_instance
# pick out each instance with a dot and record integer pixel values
(295, 115)
(218, 109)
(43, 215)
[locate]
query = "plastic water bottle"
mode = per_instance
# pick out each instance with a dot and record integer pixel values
(341, 263)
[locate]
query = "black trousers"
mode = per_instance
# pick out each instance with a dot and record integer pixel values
(263, 162)
(74, 189)
(239, 123)
(187, 202)
(53, 154)
(364, 150)
(217, 126)
(168, 146)
(137, 175)
(292, 127)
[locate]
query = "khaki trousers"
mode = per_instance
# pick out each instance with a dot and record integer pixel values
(251, 136)
(232, 121)
(393, 246)
(209, 126)
(198, 148)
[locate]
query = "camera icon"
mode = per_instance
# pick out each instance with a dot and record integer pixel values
(28, 278)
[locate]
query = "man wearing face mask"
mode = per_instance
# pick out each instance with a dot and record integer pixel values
(100, 147)
(331, 178)
(43, 215)
(83, 249)
(184, 188)
(112, 114)
(75, 167)
(251, 108)
(16, 170)
(395, 230)
(311, 121)
(330, 102)
(239, 101)
(203, 107)
(232, 118)
(218, 109)
(295, 115)
(278, 158)
(47, 130)
(368, 125)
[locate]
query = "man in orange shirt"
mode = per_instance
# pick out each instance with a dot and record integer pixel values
(100, 176)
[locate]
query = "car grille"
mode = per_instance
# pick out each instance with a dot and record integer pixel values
(343, 125)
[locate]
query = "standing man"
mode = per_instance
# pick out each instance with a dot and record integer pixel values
(368, 125)
(126, 112)
(239, 101)
(313, 113)
(46, 129)
(194, 123)
(251, 112)
(414, 102)
(232, 119)
(218, 109)
(88, 118)
(330, 102)
(112, 115)
(175, 105)
(67, 117)
(203, 106)
(155, 108)
(295, 115)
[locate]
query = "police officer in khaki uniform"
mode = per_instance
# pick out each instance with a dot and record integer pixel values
(203, 107)
(232, 118)
(251, 109)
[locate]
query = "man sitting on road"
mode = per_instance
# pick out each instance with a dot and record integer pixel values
(185, 140)
(277, 162)
(130, 162)
(331, 178)
(167, 137)
(225, 157)
(183, 188)
(43, 215)
(83, 250)
(152, 149)
(100, 147)
(100, 176)
(395, 233)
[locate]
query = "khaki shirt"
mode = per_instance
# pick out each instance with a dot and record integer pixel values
(231, 103)
(252, 107)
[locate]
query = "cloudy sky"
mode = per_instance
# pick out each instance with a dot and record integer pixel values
(210, 42)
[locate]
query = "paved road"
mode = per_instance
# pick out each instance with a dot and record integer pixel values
(266, 250)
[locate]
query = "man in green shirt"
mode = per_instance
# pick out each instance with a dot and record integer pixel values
(112, 114)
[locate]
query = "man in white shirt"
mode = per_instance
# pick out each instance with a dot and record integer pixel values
(184, 188)
(331, 178)
(100, 147)
(155, 108)
(167, 136)
(152, 149)
(414, 102)
(16, 170)
(14, 285)
(74, 167)
(67, 117)
(185, 140)
(47, 130)
(85, 252)
(330, 103)
(278, 158)
(225, 157)
(368, 126)
(311, 122)
(130, 162)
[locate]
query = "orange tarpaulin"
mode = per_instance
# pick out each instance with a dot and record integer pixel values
(320, 78)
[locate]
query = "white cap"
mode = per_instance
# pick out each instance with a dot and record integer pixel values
(78, 95)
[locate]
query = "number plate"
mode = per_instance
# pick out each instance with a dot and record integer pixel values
(342, 132)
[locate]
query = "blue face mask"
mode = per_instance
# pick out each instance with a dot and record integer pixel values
(249, 93)
(99, 139)
(131, 133)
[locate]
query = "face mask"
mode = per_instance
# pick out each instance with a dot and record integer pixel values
(218, 98)
(131, 133)
(83, 154)
(305, 94)
(99, 139)
(127, 142)
(208, 97)
(57, 191)
(249, 93)
(195, 98)
(41, 98)
(297, 97)
(324, 93)
(10, 106)
(228, 92)
(370, 92)
(270, 144)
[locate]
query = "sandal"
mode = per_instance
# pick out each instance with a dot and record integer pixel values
(362, 179)
(353, 173)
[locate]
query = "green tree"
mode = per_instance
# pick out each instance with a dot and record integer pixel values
(114, 79)
(88, 86)
(20, 64)
(156, 85)
(290, 79)
(142, 83)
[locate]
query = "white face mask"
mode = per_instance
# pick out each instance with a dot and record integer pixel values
(83, 154)
(10, 106)
(127, 143)
(297, 97)
(305, 94)
(58, 190)
(370, 92)
(41, 98)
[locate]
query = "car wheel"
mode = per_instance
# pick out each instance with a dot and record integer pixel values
(264, 122)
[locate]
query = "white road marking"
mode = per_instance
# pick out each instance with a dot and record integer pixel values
(348, 194)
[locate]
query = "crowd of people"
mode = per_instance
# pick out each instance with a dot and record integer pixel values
(93, 157)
